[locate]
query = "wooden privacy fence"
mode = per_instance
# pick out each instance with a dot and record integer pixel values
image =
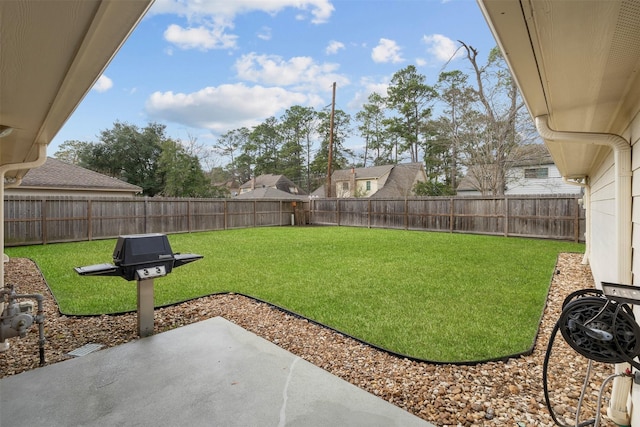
(40, 220)
(552, 217)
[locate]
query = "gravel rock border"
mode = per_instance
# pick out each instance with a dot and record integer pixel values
(489, 394)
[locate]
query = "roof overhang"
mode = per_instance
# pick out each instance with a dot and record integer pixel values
(577, 62)
(52, 53)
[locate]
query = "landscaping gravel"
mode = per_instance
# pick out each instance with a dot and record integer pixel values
(505, 393)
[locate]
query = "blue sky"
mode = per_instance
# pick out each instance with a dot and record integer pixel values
(204, 67)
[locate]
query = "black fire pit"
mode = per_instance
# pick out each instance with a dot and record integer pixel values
(141, 257)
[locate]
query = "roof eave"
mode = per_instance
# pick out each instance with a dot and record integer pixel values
(549, 48)
(42, 88)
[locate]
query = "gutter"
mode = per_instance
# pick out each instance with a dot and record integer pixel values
(39, 161)
(622, 169)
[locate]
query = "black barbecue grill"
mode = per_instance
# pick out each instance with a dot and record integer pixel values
(141, 257)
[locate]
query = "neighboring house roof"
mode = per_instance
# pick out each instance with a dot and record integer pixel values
(317, 193)
(279, 182)
(269, 193)
(401, 181)
(373, 172)
(468, 182)
(531, 155)
(56, 174)
(395, 180)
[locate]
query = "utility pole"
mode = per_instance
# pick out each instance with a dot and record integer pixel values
(333, 111)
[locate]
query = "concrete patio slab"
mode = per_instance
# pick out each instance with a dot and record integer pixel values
(211, 373)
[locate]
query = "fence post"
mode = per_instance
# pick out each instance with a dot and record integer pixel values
(89, 222)
(576, 222)
(506, 216)
(451, 216)
(189, 215)
(43, 213)
(406, 214)
(146, 214)
(369, 213)
(338, 210)
(225, 215)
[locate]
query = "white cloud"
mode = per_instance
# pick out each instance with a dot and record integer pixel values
(320, 10)
(265, 33)
(224, 107)
(369, 86)
(442, 48)
(301, 72)
(200, 37)
(103, 84)
(334, 47)
(386, 51)
(211, 20)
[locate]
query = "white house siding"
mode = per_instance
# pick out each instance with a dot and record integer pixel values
(362, 187)
(603, 245)
(553, 184)
(633, 134)
(634, 137)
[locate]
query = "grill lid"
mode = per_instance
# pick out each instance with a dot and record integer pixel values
(140, 257)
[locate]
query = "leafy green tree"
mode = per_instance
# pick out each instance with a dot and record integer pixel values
(437, 157)
(218, 177)
(148, 158)
(296, 129)
(393, 130)
(449, 131)
(182, 174)
(341, 131)
(411, 98)
(71, 151)
(244, 166)
(267, 141)
(128, 153)
(229, 143)
(372, 130)
(431, 188)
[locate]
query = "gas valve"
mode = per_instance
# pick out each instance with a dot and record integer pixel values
(16, 317)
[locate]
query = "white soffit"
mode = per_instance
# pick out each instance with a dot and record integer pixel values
(52, 53)
(577, 61)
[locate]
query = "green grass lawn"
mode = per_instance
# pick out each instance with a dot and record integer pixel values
(436, 296)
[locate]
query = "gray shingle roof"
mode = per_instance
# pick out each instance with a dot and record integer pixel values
(362, 173)
(280, 182)
(269, 193)
(58, 174)
(401, 181)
